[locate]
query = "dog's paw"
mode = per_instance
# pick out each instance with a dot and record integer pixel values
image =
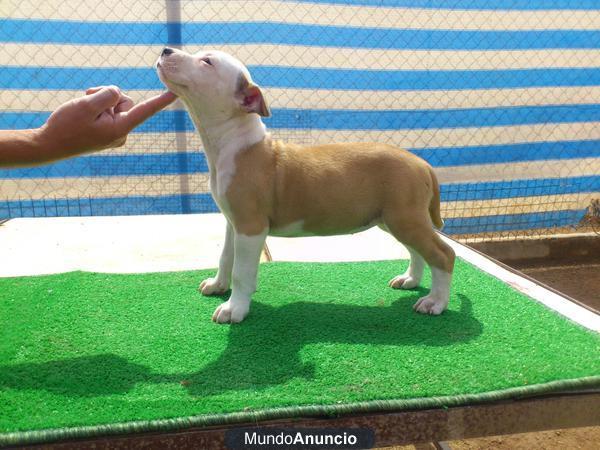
(403, 282)
(430, 305)
(230, 313)
(212, 286)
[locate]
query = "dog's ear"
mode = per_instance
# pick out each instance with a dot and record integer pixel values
(251, 98)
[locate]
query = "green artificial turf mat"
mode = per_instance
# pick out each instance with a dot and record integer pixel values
(87, 350)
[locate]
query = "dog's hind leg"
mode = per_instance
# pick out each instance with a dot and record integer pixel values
(412, 277)
(418, 235)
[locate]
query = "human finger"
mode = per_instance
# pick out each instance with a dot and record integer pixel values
(103, 99)
(125, 104)
(142, 111)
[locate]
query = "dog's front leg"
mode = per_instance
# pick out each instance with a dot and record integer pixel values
(220, 283)
(247, 249)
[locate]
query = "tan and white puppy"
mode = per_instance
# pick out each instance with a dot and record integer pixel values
(267, 187)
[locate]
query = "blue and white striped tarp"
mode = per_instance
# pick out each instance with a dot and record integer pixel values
(501, 96)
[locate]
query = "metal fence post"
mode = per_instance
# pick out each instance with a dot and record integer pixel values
(174, 39)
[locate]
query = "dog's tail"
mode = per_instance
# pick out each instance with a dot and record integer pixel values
(434, 205)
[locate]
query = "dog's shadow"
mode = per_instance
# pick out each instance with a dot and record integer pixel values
(262, 351)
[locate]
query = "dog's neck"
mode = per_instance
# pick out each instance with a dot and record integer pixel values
(223, 137)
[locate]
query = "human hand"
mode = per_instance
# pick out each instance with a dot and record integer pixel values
(101, 119)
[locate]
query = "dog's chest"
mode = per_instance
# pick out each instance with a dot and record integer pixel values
(218, 191)
(221, 177)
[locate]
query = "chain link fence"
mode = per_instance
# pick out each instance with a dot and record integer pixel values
(500, 96)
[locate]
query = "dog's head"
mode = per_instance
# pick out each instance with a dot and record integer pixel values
(211, 81)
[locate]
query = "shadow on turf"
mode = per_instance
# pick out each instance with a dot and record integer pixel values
(263, 351)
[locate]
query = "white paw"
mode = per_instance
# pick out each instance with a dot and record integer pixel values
(404, 281)
(230, 313)
(212, 286)
(430, 305)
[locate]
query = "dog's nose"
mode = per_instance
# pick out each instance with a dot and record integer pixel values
(167, 51)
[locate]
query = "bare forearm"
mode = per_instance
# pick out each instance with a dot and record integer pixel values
(22, 148)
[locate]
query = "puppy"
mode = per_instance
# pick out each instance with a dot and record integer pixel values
(267, 187)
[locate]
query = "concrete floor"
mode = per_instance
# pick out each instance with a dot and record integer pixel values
(110, 244)
(127, 244)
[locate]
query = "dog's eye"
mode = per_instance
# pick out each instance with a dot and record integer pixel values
(207, 60)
